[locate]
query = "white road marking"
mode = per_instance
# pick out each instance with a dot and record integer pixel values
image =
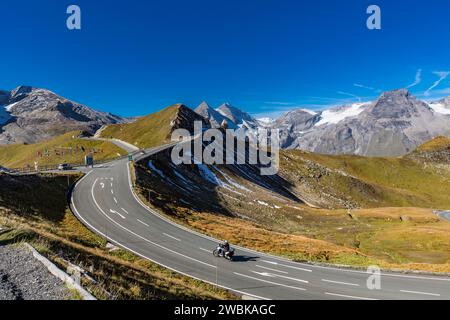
(209, 251)
(141, 237)
(331, 268)
(112, 211)
(102, 185)
(142, 222)
(112, 191)
(270, 269)
(269, 282)
(286, 266)
(423, 293)
(339, 282)
(124, 210)
(115, 200)
(351, 297)
(168, 235)
(272, 275)
(77, 213)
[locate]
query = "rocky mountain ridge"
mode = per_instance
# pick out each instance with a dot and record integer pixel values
(29, 115)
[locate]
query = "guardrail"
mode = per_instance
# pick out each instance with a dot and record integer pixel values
(138, 155)
(46, 168)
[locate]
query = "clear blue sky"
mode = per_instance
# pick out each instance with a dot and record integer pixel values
(135, 57)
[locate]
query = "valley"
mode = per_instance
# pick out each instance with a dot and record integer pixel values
(320, 208)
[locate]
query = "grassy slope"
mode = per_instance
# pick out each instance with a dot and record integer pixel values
(146, 132)
(437, 144)
(391, 232)
(40, 216)
(17, 156)
(375, 182)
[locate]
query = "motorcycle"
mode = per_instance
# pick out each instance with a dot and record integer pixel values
(220, 252)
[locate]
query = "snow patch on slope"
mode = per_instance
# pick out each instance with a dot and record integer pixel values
(153, 168)
(209, 175)
(439, 108)
(313, 113)
(334, 116)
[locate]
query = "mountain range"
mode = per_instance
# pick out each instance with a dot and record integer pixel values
(233, 117)
(394, 124)
(29, 115)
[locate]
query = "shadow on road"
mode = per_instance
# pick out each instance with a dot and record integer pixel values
(244, 258)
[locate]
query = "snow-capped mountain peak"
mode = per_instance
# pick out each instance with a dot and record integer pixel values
(441, 106)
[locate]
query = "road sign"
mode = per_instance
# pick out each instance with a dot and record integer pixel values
(89, 160)
(130, 157)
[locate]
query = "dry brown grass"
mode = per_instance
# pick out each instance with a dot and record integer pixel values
(62, 238)
(253, 236)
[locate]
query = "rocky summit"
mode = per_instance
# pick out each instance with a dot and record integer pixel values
(29, 115)
(394, 124)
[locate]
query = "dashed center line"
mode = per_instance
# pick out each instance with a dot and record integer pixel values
(112, 191)
(142, 222)
(112, 211)
(423, 293)
(270, 269)
(115, 200)
(286, 266)
(124, 210)
(203, 249)
(266, 274)
(172, 237)
(339, 282)
(269, 282)
(350, 297)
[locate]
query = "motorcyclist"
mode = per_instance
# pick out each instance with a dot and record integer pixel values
(226, 247)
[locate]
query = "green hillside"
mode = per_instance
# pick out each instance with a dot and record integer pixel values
(67, 148)
(148, 131)
(367, 182)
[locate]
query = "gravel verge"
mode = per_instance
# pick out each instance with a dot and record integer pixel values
(22, 277)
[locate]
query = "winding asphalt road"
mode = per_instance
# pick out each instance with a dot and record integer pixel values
(105, 202)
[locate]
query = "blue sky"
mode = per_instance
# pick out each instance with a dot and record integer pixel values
(135, 57)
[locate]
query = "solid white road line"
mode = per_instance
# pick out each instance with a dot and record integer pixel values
(266, 274)
(172, 237)
(141, 237)
(84, 221)
(270, 269)
(350, 297)
(423, 293)
(115, 212)
(339, 282)
(285, 265)
(269, 282)
(142, 222)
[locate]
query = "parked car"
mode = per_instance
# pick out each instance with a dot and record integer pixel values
(64, 167)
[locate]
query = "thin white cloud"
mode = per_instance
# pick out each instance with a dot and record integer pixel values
(279, 103)
(442, 76)
(417, 80)
(363, 86)
(358, 85)
(350, 95)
